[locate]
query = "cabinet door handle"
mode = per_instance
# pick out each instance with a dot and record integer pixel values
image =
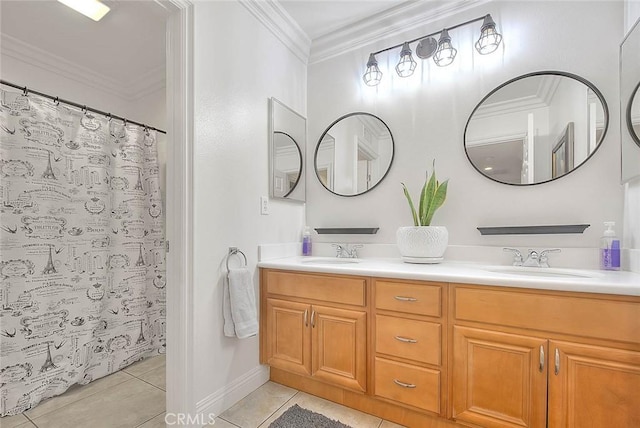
(313, 319)
(306, 323)
(406, 339)
(557, 369)
(541, 358)
(404, 385)
(406, 299)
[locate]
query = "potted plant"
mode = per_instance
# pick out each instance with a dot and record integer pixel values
(423, 243)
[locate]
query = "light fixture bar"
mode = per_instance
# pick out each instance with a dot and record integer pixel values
(443, 55)
(429, 35)
(93, 9)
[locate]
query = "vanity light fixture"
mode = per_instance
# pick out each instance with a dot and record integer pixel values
(489, 38)
(444, 55)
(373, 75)
(90, 8)
(406, 65)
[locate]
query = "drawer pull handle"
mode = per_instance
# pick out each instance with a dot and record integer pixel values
(541, 358)
(404, 385)
(557, 368)
(313, 319)
(306, 323)
(406, 299)
(406, 340)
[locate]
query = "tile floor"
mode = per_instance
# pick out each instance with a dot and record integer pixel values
(135, 398)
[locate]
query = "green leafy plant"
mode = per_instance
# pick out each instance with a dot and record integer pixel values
(432, 197)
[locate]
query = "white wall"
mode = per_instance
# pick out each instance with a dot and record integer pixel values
(632, 189)
(239, 64)
(428, 111)
(42, 79)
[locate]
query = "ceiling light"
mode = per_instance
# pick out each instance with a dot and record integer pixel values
(90, 8)
(446, 52)
(373, 75)
(443, 52)
(406, 65)
(489, 38)
(488, 168)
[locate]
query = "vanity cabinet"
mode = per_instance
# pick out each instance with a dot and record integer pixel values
(594, 386)
(499, 379)
(522, 357)
(409, 327)
(419, 352)
(324, 341)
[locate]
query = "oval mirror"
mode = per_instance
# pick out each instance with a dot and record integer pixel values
(287, 164)
(633, 115)
(536, 128)
(354, 154)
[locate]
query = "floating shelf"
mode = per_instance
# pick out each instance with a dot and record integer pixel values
(533, 230)
(347, 230)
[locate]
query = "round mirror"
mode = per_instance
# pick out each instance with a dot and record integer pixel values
(287, 164)
(354, 154)
(633, 115)
(536, 128)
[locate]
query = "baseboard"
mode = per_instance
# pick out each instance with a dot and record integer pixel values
(230, 394)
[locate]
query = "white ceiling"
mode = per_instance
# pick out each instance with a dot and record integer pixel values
(320, 17)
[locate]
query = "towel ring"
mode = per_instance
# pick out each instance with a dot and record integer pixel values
(235, 251)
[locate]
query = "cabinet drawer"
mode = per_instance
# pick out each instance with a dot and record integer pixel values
(411, 339)
(408, 384)
(350, 291)
(559, 313)
(410, 298)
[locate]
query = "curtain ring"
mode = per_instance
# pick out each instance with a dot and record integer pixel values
(84, 110)
(125, 121)
(109, 117)
(25, 91)
(56, 101)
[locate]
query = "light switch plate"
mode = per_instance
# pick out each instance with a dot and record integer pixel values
(264, 205)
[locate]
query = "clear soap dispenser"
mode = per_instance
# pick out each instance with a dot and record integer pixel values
(609, 248)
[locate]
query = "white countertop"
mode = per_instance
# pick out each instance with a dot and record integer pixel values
(590, 281)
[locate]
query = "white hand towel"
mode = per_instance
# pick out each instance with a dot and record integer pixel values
(243, 303)
(229, 328)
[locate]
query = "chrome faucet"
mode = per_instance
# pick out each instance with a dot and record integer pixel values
(517, 256)
(534, 259)
(347, 251)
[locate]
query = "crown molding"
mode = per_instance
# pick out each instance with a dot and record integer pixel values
(143, 85)
(273, 16)
(386, 24)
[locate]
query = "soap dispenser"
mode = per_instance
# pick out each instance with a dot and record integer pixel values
(306, 241)
(610, 248)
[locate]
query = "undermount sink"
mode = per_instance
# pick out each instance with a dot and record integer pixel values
(543, 272)
(329, 261)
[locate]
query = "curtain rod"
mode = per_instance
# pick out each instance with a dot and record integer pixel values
(26, 90)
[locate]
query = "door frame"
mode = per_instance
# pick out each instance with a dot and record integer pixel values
(180, 397)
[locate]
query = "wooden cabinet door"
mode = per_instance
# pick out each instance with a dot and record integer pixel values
(289, 336)
(339, 346)
(592, 386)
(499, 379)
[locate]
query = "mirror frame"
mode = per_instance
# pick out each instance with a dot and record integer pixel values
(328, 128)
(301, 152)
(580, 79)
(632, 131)
(301, 162)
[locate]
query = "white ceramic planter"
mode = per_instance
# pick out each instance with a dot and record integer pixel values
(422, 244)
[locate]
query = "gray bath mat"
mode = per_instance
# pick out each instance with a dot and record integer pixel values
(297, 417)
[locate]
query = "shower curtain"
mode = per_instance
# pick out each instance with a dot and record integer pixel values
(82, 250)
